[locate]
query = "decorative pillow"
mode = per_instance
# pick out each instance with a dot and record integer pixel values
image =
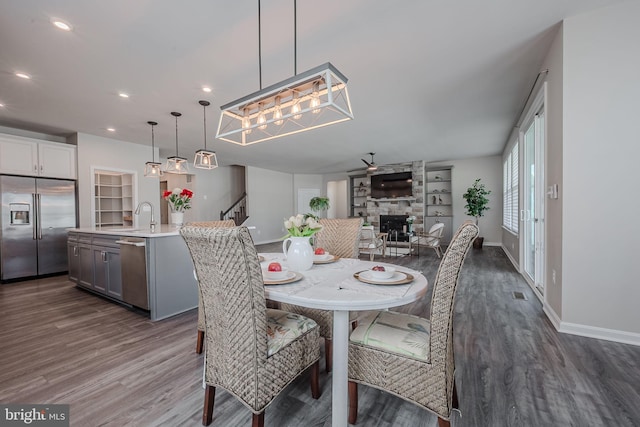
(395, 332)
(284, 327)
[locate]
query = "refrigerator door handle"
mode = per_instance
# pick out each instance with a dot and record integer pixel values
(34, 226)
(39, 216)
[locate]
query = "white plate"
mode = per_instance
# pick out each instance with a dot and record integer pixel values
(367, 275)
(291, 277)
(327, 256)
(277, 275)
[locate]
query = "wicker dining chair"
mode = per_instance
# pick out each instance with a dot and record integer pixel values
(409, 356)
(339, 237)
(200, 339)
(252, 352)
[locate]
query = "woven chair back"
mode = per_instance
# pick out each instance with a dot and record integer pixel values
(340, 236)
(222, 223)
(231, 286)
(444, 290)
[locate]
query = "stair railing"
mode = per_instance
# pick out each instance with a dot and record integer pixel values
(237, 212)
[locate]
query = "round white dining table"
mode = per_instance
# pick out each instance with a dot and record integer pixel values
(333, 287)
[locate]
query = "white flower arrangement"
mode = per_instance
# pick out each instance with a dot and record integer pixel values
(302, 225)
(411, 219)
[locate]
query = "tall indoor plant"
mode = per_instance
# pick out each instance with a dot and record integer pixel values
(476, 197)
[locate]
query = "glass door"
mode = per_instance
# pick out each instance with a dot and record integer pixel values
(532, 214)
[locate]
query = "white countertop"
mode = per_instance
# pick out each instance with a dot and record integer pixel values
(163, 230)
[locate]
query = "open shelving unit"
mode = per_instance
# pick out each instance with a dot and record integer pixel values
(439, 200)
(113, 198)
(359, 191)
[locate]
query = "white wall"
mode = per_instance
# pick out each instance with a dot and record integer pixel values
(109, 153)
(600, 226)
(34, 135)
(214, 190)
(338, 193)
(340, 203)
(269, 202)
(553, 173)
(307, 181)
(463, 175)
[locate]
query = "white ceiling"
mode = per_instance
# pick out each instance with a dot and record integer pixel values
(428, 79)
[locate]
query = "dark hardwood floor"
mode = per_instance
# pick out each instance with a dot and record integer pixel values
(59, 344)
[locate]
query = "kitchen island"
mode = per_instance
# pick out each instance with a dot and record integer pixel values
(135, 267)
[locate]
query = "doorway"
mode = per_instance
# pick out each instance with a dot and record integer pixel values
(532, 214)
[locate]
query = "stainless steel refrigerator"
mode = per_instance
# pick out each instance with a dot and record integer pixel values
(35, 216)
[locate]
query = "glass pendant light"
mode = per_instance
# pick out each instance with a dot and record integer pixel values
(277, 112)
(153, 169)
(295, 108)
(315, 98)
(262, 119)
(205, 159)
(176, 164)
(246, 122)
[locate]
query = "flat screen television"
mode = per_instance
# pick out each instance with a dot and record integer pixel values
(391, 185)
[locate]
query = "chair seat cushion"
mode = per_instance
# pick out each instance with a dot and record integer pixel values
(284, 327)
(394, 332)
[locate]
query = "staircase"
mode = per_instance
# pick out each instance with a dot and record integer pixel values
(237, 212)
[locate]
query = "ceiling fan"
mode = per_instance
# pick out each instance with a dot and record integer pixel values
(371, 166)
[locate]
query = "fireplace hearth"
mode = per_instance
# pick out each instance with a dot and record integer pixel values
(393, 224)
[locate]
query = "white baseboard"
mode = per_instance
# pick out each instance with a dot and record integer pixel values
(600, 333)
(513, 261)
(590, 331)
(552, 315)
(492, 244)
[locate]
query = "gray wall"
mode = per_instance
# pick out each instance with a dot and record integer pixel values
(110, 153)
(553, 173)
(269, 203)
(600, 226)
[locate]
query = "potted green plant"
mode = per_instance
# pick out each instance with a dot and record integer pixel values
(319, 204)
(476, 197)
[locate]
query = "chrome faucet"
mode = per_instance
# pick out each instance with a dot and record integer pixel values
(152, 223)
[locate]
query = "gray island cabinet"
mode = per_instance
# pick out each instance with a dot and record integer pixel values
(149, 271)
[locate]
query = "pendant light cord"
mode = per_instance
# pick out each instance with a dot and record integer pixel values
(204, 113)
(177, 153)
(153, 147)
(295, 41)
(259, 45)
(295, 37)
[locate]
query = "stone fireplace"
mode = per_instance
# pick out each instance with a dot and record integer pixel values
(401, 206)
(396, 226)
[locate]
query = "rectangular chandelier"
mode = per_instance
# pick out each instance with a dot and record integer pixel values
(306, 101)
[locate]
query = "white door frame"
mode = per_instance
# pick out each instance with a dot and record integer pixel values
(536, 116)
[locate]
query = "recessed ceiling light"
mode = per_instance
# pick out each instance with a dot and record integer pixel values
(23, 75)
(1, 105)
(206, 89)
(61, 24)
(111, 129)
(123, 95)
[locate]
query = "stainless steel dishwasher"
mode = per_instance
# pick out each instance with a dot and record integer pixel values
(134, 271)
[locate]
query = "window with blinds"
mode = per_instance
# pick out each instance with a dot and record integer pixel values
(510, 190)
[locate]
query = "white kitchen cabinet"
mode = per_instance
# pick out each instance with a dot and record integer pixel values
(26, 156)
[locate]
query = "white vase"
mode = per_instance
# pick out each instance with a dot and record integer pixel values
(177, 218)
(299, 253)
